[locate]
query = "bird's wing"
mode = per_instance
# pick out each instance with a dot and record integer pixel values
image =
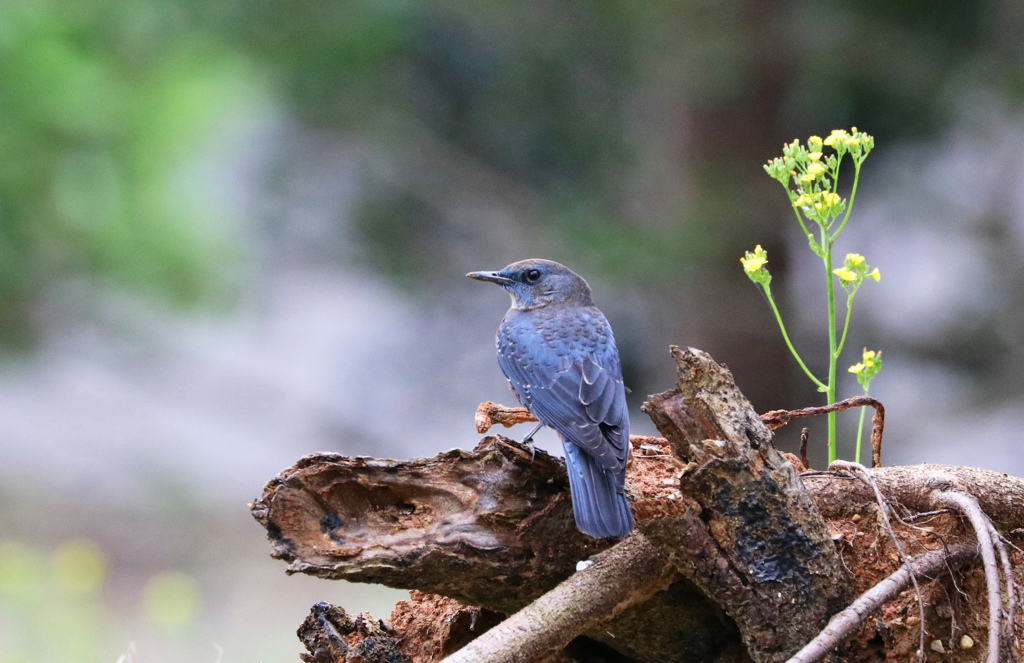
(572, 383)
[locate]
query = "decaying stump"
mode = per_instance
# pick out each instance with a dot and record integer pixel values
(732, 559)
(764, 552)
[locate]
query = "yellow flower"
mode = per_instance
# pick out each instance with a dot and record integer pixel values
(845, 274)
(875, 274)
(815, 169)
(754, 262)
(814, 156)
(869, 366)
(869, 359)
(807, 178)
(837, 135)
(754, 266)
(830, 198)
(814, 143)
(855, 259)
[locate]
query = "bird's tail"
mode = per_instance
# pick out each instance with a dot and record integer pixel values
(598, 497)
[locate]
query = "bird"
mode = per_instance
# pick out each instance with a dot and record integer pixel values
(558, 353)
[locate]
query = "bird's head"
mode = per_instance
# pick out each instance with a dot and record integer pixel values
(537, 283)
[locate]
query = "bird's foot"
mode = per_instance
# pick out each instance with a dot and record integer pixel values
(528, 441)
(529, 438)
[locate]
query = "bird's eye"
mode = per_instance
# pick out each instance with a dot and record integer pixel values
(533, 275)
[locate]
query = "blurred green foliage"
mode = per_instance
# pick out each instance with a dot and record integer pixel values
(103, 106)
(51, 608)
(59, 605)
(594, 109)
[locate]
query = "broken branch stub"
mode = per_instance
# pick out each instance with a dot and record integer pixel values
(760, 549)
(492, 527)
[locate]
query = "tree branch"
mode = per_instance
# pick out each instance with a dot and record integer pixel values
(849, 620)
(628, 573)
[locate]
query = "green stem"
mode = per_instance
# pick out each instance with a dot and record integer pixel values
(846, 322)
(853, 195)
(860, 430)
(800, 219)
(833, 356)
(785, 336)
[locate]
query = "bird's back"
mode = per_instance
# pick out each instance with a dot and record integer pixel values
(563, 365)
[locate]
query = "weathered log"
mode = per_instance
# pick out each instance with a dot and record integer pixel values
(759, 547)
(494, 527)
(491, 528)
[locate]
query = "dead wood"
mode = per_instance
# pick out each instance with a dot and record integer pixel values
(860, 472)
(627, 574)
(910, 487)
(489, 414)
(490, 528)
(942, 493)
(739, 550)
(759, 547)
(331, 635)
(778, 418)
(434, 626)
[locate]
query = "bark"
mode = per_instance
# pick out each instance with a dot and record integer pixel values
(1000, 495)
(492, 527)
(759, 547)
(331, 635)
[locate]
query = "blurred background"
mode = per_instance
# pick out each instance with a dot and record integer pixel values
(233, 233)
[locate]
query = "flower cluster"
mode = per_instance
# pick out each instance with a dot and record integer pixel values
(754, 265)
(857, 143)
(854, 270)
(868, 367)
(810, 176)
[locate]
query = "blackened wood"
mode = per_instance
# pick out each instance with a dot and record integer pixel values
(757, 545)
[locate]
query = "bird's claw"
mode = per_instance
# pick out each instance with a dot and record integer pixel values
(528, 440)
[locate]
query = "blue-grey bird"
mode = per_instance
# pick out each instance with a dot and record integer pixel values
(557, 350)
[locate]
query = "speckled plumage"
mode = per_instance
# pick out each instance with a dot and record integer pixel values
(558, 352)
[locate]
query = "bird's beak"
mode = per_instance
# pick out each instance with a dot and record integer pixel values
(493, 277)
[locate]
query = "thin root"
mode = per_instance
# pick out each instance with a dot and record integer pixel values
(983, 530)
(864, 475)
